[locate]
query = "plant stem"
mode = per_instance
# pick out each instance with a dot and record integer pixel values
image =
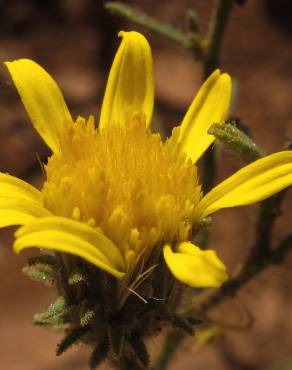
(171, 343)
(211, 62)
(252, 267)
(215, 36)
(211, 54)
(144, 20)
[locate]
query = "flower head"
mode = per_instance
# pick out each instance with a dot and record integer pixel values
(123, 193)
(136, 190)
(116, 194)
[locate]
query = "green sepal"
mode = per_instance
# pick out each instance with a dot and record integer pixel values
(43, 274)
(87, 312)
(182, 323)
(43, 259)
(109, 294)
(130, 362)
(56, 316)
(99, 354)
(72, 337)
(58, 307)
(78, 276)
(116, 336)
(55, 323)
(139, 348)
(165, 314)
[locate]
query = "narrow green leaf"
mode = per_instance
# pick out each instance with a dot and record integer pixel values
(58, 307)
(145, 20)
(139, 348)
(72, 337)
(56, 316)
(182, 323)
(78, 276)
(55, 323)
(173, 318)
(116, 335)
(42, 274)
(234, 139)
(43, 259)
(87, 312)
(99, 354)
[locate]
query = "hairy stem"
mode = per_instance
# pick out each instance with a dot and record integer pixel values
(211, 55)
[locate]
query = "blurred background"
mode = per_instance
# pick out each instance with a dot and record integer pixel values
(75, 41)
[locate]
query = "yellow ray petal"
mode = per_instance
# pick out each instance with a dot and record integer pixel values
(252, 183)
(130, 86)
(211, 105)
(42, 99)
(13, 187)
(70, 236)
(195, 267)
(20, 211)
(20, 203)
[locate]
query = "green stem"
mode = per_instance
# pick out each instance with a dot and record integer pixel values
(215, 36)
(211, 62)
(171, 343)
(148, 22)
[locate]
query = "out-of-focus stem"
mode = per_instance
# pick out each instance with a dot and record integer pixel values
(254, 265)
(171, 343)
(212, 46)
(153, 24)
(215, 36)
(210, 55)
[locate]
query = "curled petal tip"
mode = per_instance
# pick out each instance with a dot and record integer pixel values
(195, 267)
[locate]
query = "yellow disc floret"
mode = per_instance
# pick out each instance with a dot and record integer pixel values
(139, 191)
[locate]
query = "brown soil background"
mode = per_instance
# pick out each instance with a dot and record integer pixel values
(75, 40)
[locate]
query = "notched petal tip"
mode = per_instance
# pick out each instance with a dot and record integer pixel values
(42, 99)
(130, 85)
(211, 105)
(195, 267)
(123, 33)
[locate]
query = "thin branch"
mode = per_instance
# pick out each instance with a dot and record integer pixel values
(250, 269)
(171, 343)
(215, 36)
(229, 289)
(211, 54)
(144, 20)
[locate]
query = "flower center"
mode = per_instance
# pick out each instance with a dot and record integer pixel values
(139, 191)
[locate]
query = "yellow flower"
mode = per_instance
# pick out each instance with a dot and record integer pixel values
(117, 195)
